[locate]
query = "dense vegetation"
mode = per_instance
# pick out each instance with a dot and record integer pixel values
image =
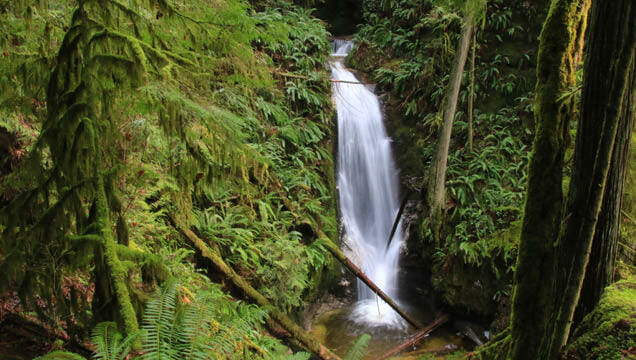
(160, 115)
(408, 49)
(167, 186)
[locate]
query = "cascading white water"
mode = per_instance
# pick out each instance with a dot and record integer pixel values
(368, 189)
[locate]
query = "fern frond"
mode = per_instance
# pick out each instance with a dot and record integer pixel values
(358, 348)
(108, 342)
(159, 321)
(60, 355)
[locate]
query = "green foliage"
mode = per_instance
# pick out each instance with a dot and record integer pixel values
(204, 325)
(182, 324)
(109, 342)
(357, 350)
(407, 47)
(60, 355)
(628, 226)
(216, 113)
(485, 187)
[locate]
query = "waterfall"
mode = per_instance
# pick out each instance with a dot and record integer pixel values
(368, 188)
(341, 47)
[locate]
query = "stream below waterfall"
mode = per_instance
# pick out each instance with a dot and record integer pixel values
(368, 188)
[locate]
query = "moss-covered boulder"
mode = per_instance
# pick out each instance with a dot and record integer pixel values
(609, 332)
(476, 277)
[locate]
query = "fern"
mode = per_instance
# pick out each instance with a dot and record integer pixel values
(60, 355)
(160, 318)
(177, 108)
(357, 350)
(109, 342)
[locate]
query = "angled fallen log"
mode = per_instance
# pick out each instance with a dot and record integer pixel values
(346, 82)
(397, 218)
(439, 351)
(296, 76)
(306, 339)
(416, 338)
(344, 260)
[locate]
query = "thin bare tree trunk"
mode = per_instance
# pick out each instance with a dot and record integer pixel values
(437, 176)
(471, 97)
(397, 219)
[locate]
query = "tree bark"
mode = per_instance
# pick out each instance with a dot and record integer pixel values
(536, 263)
(471, 97)
(600, 269)
(437, 177)
(609, 56)
(296, 331)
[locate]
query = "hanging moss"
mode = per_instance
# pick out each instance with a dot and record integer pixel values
(155, 108)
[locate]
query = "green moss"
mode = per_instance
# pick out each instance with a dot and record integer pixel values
(608, 332)
(470, 289)
(627, 245)
(216, 108)
(476, 277)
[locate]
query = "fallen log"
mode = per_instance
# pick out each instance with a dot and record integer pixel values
(306, 339)
(296, 76)
(417, 337)
(397, 219)
(346, 82)
(444, 350)
(466, 329)
(344, 260)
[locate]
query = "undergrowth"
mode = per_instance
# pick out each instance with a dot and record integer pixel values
(214, 115)
(407, 47)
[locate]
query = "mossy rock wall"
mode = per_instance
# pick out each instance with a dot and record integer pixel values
(472, 290)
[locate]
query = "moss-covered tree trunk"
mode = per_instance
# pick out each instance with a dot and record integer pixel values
(551, 266)
(609, 57)
(600, 269)
(536, 265)
(437, 177)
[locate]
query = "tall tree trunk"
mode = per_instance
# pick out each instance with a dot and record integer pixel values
(600, 268)
(536, 267)
(471, 97)
(608, 60)
(437, 177)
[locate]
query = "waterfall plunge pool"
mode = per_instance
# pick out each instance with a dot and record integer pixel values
(337, 329)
